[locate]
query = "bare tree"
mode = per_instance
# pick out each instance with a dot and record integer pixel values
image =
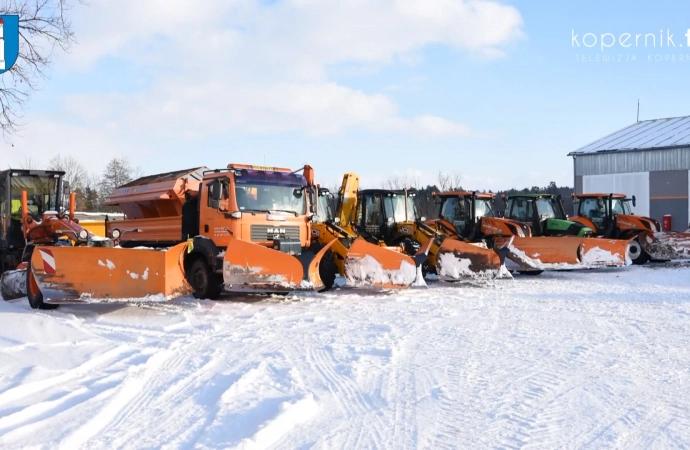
(449, 181)
(43, 28)
(75, 174)
(116, 173)
(28, 163)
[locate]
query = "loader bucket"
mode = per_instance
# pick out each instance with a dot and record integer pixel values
(101, 274)
(458, 260)
(249, 267)
(566, 252)
(666, 244)
(368, 264)
(13, 283)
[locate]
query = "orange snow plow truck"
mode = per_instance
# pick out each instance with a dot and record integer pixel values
(239, 229)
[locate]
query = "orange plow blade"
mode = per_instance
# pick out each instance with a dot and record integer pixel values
(249, 267)
(100, 274)
(666, 244)
(567, 252)
(456, 260)
(368, 264)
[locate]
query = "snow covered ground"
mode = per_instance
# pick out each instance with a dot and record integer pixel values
(596, 359)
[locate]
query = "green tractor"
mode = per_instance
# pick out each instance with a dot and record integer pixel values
(544, 214)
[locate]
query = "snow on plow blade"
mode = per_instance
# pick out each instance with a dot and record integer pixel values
(666, 244)
(13, 283)
(249, 267)
(368, 264)
(99, 274)
(566, 252)
(457, 260)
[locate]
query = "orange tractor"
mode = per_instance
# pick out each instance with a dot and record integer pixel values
(610, 217)
(34, 217)
(543, 238)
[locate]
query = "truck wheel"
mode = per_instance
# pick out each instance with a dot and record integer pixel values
(33, 293)
(328, 270)
(637, 253)
(205, 283)
(531, 272)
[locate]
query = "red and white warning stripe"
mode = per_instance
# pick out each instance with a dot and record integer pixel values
(48, 261)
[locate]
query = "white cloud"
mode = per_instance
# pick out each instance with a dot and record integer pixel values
(238, 65)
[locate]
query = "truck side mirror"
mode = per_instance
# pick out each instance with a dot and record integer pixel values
(634, 201)
(65, 187)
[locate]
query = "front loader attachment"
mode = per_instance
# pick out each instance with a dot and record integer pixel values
(249, 267)
(566, 252)
(456, 260)
(102, 274)
(666, 245)
(368, 264)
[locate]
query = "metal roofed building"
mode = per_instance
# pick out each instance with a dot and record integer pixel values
(648, 159)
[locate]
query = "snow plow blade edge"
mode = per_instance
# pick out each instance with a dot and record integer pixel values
(368, 264)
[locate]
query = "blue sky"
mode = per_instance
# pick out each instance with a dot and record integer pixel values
(382, 88)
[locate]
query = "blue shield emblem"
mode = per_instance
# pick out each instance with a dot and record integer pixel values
(9, 41)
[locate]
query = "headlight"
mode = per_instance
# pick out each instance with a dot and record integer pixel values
(83, 234)
(116, 233)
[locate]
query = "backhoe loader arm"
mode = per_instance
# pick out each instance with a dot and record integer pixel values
(348, 198)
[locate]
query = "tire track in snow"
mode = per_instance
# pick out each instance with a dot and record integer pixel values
(92, 365)
(364, 426)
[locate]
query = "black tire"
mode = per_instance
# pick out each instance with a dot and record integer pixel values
(328, 270)
(531, 272)
(34, 294)
(205, 283)
(637, 253)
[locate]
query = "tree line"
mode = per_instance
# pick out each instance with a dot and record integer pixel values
(428, 207)
(91, 189)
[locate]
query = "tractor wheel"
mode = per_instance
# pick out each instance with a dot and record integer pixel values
(33, 292)
(327, 268)
(637, 253)
(206, 284)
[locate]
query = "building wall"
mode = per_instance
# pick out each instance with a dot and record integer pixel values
(630, 184)
(632, 162)
(656, 192)
(668, 193)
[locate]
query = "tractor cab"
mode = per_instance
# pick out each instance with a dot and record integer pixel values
(544, 214)
(465, 211)
(602, 209)
(380, 213)
(44, 191)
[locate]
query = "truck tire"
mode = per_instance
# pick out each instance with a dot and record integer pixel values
(327, 268)
(34, 294)
(205, 283)
(637, 253)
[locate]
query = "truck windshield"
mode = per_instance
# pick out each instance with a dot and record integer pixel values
(42, 192)
(272, 198)
(395, 207)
